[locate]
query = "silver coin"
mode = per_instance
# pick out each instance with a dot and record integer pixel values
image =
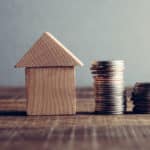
(108, 86)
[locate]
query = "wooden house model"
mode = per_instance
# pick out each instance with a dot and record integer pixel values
(50, 77)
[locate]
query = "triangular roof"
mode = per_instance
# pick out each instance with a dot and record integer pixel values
(48, 51)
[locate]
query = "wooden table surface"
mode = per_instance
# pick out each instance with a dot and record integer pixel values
(82, 131)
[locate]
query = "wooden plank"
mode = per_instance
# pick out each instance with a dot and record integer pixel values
(125, 132)
(48, 51)
(10, 100)
(51, 91)
(13, 105)
(90, 138)
(83, 106)
(88, 131)
(78, 120)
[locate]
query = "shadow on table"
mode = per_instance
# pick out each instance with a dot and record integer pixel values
(94, 113)
(12, 113)
(23, 113)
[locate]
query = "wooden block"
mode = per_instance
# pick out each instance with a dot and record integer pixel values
(50, 91)
(50, 78)
(48, 51)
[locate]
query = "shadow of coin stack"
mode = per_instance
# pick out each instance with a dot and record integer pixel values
(141, 98)
(108, 86)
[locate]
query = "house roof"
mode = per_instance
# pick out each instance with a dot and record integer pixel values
(48, 51)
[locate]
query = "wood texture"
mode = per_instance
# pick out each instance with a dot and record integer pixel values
(48, 51)
(13, 99)
(88, 131)
(13, 105)
(75, 132)
(50, 91)
(84, 105)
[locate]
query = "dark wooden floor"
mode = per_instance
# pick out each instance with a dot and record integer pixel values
(82, 131)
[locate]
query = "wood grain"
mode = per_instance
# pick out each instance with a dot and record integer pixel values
(50, 91)
(13, 105)
(83, 105)
(88, 131)
(125, 132)
(13, 99)
(48, 51)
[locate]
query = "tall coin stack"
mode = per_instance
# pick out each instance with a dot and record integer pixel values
(108, 86)
(141, 98)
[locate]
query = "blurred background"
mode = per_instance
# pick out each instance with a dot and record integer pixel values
(92, 30)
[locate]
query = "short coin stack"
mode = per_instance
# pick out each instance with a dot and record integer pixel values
(141, 98)
(108, 86)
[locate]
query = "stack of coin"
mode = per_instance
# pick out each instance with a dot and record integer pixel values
(141, 98)
(108, 86)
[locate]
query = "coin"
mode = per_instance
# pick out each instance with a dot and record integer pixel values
(141, 97)
(108, 85)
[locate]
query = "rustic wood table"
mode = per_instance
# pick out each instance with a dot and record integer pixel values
(82, 131)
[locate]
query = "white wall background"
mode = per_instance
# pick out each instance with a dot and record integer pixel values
(92, 29)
